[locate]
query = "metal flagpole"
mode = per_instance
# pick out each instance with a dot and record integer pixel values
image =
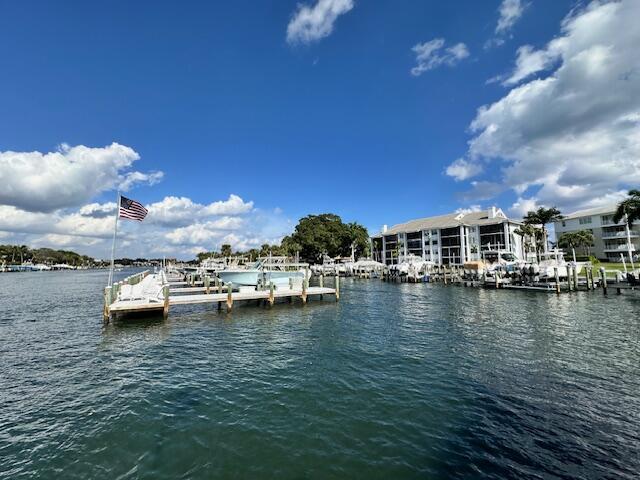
(113, 245)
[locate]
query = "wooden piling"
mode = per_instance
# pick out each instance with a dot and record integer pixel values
(304, 291)
(603, 280)
(575, 278)
(555, 271)
(165, 309)
(206, 284)
(229, 297)
(337, 288)
(271, 297)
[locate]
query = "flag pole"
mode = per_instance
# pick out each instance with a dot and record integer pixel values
(113, 245)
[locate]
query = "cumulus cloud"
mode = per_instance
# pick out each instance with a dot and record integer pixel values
(462, 169)
(175, 226)
(180, 211)
(432, 54)
(572, 138)
(312, 23)
(68, 177)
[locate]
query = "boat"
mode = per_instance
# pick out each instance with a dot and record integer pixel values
(554, 259)
(277, 270)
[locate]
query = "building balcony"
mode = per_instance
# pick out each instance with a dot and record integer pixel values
(619, 248)
(614, 235)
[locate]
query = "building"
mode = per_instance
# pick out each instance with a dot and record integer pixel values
(609, 238)
(448, 239)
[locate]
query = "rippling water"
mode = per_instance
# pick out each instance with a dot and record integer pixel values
(394, 381)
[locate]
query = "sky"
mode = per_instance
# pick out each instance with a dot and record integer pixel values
(232, 120)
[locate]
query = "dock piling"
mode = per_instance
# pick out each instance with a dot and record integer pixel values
(603, 280)
(229, 297)
(555, 272)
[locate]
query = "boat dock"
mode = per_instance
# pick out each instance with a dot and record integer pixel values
(145, 293)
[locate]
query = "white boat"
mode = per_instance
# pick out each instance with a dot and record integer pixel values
(553, 259)
(276, 270)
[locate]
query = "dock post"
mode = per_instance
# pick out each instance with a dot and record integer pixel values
(206, 284)
(229, 297)
(575, 278)
(337, 287)
(165, 310)
(593, 280)
(271, 297)
(586, 275)
(107, 303)
(603, 280)
(555, 272)
(321, 284)
(569, 278)
(304, 291)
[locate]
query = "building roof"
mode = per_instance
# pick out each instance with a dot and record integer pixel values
(447, 221)
(607, 209)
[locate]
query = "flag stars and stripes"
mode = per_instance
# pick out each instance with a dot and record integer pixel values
(131, 209)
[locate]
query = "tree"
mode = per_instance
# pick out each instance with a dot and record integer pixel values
(317, 235)
(630, 207)
(578, 239)
(225, 250)
(543, 216)
(528, 234)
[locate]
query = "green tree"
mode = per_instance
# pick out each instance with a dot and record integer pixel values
(630, 207)
(225, 250)
(528, 234)
(543, 216)
(577, 240)
(316, 235)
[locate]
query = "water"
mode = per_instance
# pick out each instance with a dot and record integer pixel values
(394, 381)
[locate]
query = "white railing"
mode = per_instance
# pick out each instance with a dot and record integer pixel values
(622, 234)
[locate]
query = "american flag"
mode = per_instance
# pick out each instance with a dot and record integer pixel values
(131, 209)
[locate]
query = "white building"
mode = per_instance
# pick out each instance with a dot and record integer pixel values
(448, 239)
(610, 239)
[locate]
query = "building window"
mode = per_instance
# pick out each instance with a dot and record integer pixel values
(583, 221)
(564, 224)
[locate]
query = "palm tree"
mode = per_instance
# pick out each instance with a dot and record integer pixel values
(543, 216)
(629, 207)
(527, 232)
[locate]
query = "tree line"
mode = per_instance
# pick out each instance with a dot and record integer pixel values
(313, 237)
(13, 254)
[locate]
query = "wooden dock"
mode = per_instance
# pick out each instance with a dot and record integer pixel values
(180, 293)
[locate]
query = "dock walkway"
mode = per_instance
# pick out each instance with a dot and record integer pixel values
(118, 301)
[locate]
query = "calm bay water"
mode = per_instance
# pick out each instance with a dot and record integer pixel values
(394, 381)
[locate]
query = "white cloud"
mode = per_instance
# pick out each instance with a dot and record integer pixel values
(312, 23)
(570, 139)
(469, 209)
(432, 54)
(69, 177)
(530, 61)
(463, 169)
(510, 13)
(180, 211)
(175, 226)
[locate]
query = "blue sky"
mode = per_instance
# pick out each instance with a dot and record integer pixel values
(216, 97)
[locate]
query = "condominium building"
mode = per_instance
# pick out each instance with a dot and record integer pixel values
(609, 238)
(451, 239)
